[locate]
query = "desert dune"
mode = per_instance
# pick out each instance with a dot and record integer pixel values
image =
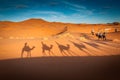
(60, 35)
(61, 50)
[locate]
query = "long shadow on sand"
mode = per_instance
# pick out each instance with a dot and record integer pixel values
(65, 50)
(45, 48)
(107, 43)
(61, 68)
(81, 47)
(27, 49)
(92, 44)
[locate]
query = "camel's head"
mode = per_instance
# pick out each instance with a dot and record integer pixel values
(96, 34)
(25, 43)
(51, 45)
(33, 47)
(68, 45)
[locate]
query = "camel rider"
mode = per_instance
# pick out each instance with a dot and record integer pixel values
(26, 47)
(92, 32)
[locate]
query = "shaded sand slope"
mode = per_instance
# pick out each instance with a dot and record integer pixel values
(61, 68)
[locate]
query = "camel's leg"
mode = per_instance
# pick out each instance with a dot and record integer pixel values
(65, 53)
(69, 51)
(44, 53)
(43, 50)
(49, 53)
(73, 52)
(29, 54)
(62, 52)
(98, 38)
(22, 54)
(105, 38)
(102, 38)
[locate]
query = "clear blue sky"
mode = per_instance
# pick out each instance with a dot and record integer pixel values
(74, 11)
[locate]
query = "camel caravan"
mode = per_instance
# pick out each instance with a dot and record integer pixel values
(99, 35)
(63, 49)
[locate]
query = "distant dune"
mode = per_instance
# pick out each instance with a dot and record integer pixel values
(39, 28)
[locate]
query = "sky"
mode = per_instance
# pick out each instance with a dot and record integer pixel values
(68, 11)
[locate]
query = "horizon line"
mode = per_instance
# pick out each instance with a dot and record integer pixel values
(54, 21)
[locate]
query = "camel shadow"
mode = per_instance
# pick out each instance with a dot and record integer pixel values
(45, 48)
(64, 49)
(104, 42)
(80, 46)
(27, 49)
(95, 46)
(92, 44)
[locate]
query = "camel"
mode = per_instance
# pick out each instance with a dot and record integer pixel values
(92, 32)
(46, 48)
(27, 49)
(101, 36)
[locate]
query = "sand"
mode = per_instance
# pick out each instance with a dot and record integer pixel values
(61, 68)
(59, 53)
(79, 45)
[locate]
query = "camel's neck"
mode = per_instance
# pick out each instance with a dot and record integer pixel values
(68, 46)
(51, 47)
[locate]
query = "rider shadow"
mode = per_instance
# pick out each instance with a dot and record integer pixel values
(80, 46)
(27, 49)
(45, 48)
(64, 49)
